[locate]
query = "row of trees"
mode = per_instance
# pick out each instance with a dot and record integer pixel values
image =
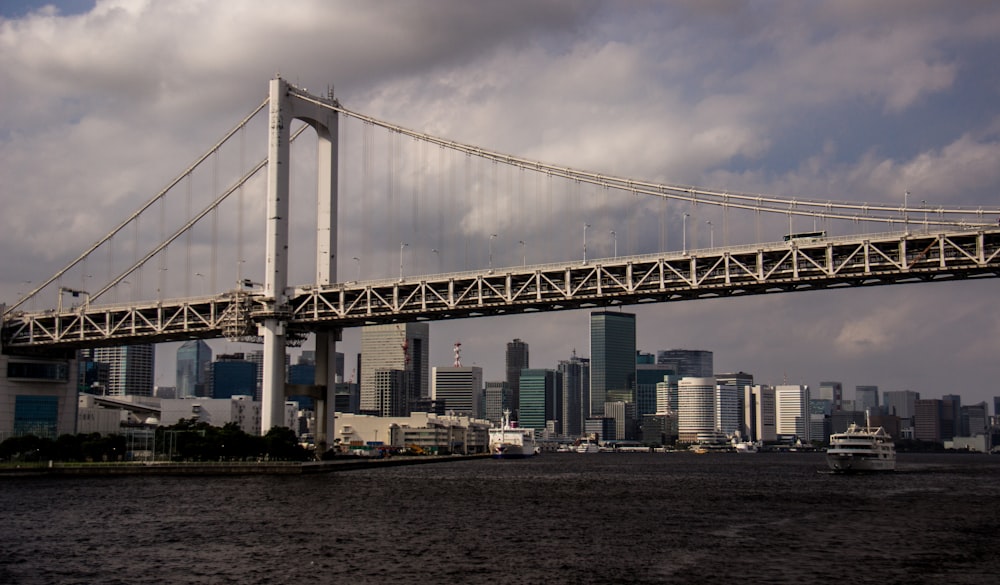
(184, 441)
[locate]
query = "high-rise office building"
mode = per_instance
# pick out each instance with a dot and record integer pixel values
(232, 375)
(728, 415)
(695, 408)
(927, 420)
(497, 400)
(460, 388)
(194, 359)
(742, 381)
(687, 363)
(866, 399)
(612, 356)
(541, 398)
(647, 375)
(403, 346)
(390, 388)
(517, 359)
(575, 394)
(834, 392)
(130, 368)
(666, 395)
(975, 420)
(901, 403)
(791, 404)
(761, 423)
(623, 413)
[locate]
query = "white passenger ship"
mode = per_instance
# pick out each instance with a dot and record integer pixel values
(511, 442)
(861, 449)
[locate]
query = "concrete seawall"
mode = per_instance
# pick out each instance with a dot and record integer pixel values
(225, 468)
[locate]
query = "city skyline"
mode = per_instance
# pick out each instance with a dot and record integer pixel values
(820, 100)
(497, 373)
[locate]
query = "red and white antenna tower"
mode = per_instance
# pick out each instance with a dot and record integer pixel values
(458, 354)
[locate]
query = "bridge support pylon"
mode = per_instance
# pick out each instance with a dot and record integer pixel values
(287, 103)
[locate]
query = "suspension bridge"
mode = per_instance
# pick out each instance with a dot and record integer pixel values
(453, 210)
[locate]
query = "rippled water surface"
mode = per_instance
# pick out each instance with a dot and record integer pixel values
(558, 518)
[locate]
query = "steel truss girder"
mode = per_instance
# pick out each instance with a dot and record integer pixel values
(865, 260)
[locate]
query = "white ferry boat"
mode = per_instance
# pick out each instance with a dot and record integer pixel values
(861, 449)
(588, 447)
(511, 442)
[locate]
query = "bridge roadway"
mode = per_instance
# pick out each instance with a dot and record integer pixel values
(798, 265)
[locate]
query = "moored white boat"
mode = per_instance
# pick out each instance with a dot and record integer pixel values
(512, 442)
(861, 449)
(588, 447)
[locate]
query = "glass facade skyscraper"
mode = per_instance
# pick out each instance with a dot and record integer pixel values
(541, 393)
(575, 394)
(612, 356)
(516, 360)
(193, 359)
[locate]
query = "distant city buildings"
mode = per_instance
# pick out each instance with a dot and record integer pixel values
(130, 368)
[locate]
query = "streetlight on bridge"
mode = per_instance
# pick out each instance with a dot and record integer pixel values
(585, 226)
(492, 237)
(684, 231)
(711, 234)
(358, 261)
(614, 238)
(524, 256)
(401, 246)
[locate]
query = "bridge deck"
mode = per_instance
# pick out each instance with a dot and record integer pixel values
(798, 265)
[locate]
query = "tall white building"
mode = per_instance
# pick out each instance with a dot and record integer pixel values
(792, 410)
(130, 368)
(760, 417)
(695, 408)
(403, 346)
(460, 388)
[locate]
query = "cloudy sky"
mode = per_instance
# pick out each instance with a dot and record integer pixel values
(104, 102)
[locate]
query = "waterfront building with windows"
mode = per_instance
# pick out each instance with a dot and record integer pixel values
(791, 403)
(37, 396)
(695, 408)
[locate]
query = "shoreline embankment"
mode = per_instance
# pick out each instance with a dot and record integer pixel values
(223, 467)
